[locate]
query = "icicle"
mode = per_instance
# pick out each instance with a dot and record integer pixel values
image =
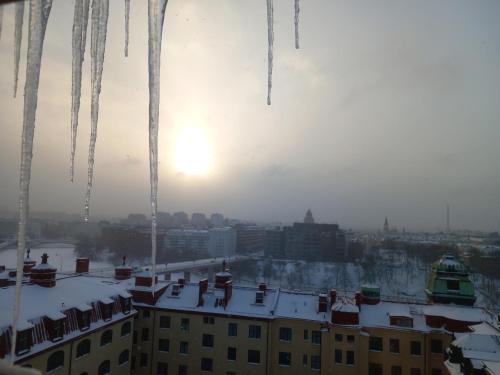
(156, 15)
(80, 21)
(270, 40)
(39, 15)
(100, 10)
(297, 10)
(127, 18)
(18, 36)
(1, 20)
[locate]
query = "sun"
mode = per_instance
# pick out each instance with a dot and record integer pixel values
(192, 153)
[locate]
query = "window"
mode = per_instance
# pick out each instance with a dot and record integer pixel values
(232, 330)
(24, 339)
(453, 285)
(304, 360)
(83, 348)
(306, 334)
(107, 337)
(207, 364)
(104, 368)
(315, 362)
(55, 360)
(184, 324)
(285, 359)
(83, 318)
(436, 346)
(375, 369)
(146, 314)
(254, 356)
(56, 329)
(350, 338)
(183, 370)
(316, 337)
(415, 371)
(394, 346)
(436, 371)
(164, 321)
(254, 332)
(349, 357)
(231, 354)
(285, 334)
(125, 302)
(338, 356)
(132, 363)
(144, 360)
(207, 340)
(135, 337)
(107, 311)
(145, 334)
(396, 370)
(126, 328)
(415, 348)
(208, 320)
(184, 347)
(338, 337)
(163, 345)
(162, 368)
(123, 357)
(375, 343)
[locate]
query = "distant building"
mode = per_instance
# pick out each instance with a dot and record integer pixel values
(198, 220)
(315, 242)
(222, 242)
(251, 238)
(136, 220)
(216, 242)
(217, 220)
(275, 243)
(309, 219)
(181, 219)
(9, 228)
(386, 226)
(130, 240)
(164, 220)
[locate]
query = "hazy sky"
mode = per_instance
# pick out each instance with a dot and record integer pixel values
(389, 108)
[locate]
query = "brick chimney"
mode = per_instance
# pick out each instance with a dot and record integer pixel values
(4, 279)
(82, 265)
(322, 303)
(228, 292)
(263, 287)
(44, 274)
(333, 296)
(123, 272)
(202, 288)
(28, 263)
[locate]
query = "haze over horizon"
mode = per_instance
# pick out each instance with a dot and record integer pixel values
(387, 109)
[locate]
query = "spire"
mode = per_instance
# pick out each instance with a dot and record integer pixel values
(386, 226)
(309, 219)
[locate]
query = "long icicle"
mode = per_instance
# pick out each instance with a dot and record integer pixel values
(100, 11)
(156, 16)
(80, 22)
(127, 19)
(39, 15)
(297, 11)
(18, 37)
(270, 40)
(1, 20)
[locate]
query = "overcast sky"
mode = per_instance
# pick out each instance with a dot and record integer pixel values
(389, 108)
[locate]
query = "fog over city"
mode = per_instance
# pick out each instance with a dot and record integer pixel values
(388, 109)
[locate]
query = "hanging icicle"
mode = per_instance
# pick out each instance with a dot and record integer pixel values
(100, 11)
(18, 37)
(80, 22)
(270, 41)
(39, 15)
(1, 20)
(156, 15)
(127, 19)
(297, 11)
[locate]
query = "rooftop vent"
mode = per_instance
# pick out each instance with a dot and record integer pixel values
(176, 289)
(82, 265)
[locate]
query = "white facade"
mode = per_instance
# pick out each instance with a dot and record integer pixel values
(222, 242)
(218, 242)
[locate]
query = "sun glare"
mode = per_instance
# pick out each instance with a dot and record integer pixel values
(192, 154)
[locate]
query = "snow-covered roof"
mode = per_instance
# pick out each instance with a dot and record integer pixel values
(300, 305)
(483, 347)
(44, 266)
(55, 315)
(398, 309)
(83, 307)
(455, 312)
(378, 315)
(37, 301)
(344, 306)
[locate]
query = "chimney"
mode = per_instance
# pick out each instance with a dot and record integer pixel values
(228, 292)
(181, 281)
(82, 265)
(28, 263)
(4, 279)
(322, 303)
(259, 297)
(187, 276)
(202, 288)
(44, 274)
(333, 296)
(263, 287)
(359, 298)
(123, 272)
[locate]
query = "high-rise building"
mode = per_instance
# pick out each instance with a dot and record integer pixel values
(181, 219)
(309, 219)
(217, 220)
(386, 226)
(199, 220)
(250, 238)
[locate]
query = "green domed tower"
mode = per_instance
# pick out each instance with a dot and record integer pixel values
(449, 282)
